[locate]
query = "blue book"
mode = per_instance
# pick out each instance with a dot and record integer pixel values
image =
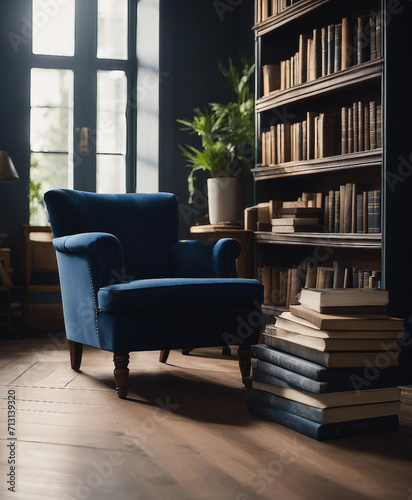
(315, 371)
(298, 381)
(322, 432)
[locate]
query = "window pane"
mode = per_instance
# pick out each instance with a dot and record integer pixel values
(111, 174)
(51, 87)
(111, 112)
(51, 135)
(53, 27)
(47, 171)
(51, 121)
(112, 29)
(49, 129)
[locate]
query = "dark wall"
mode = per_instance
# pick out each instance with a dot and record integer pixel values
(194, 35)
(14, 115)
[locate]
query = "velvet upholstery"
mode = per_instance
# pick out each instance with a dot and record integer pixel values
(128, 284)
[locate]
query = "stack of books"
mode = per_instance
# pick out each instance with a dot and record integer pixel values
(297, 217)
(329, 367)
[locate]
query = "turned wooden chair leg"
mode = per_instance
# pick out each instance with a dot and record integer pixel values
(121, 373)
(163, 356)
(76, 351)
(245, 362)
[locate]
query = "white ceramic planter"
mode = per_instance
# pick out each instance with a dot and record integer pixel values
(226, 199)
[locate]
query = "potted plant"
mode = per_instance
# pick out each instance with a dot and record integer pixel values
(227, 134)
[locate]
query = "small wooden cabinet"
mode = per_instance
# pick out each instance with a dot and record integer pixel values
(42, 300)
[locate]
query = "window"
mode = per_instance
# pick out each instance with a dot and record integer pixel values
(82, 82)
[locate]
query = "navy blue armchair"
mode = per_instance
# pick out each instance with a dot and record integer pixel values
(128, 284)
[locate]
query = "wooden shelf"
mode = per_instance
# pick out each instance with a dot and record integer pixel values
(331, 163)
(289, 14)
(348, 240)
(347, 78)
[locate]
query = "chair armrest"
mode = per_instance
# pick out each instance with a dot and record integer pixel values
(201, 259)
(104, 254)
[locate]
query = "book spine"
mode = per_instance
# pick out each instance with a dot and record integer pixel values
(287, 361)
(338, 48)
(336, 212)
(342, 209)
(372, 36)
(348, 208)
(330, 48)
(273, 374)
(350, 129)
(361, 125)
(378, 126)
(269, 399)
(362, 40)
(355, 126)
(344, 132)
(366, 115)
(359, 213)
(346, 43)
(290, 420)
(324, 51)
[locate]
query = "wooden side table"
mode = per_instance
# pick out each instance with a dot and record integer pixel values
(213, 232)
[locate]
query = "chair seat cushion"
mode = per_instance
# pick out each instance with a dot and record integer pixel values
(162, 293)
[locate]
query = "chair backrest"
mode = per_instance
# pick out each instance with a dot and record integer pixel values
(145, 224)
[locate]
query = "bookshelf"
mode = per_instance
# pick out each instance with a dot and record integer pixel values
(368, 88)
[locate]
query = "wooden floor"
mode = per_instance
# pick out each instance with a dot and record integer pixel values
(184, 433)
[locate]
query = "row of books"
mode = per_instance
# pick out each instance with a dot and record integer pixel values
(282, 285)
(345, 210)
(348, 210)
(355, 128)
(329, 367)
(268, 8)
(325, 51)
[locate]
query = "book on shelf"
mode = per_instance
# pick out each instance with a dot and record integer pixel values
(295, 221)
(316, 298)
(335, 359)
(325, 415)
(269, 373)
(320, 373)
(324, 277)
(347, 321)
(351, 211)
(271, 78)
(291, 228)
(334, 344)
(322, 432)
